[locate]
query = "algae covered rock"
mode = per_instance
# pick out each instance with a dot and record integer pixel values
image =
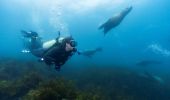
(58, 89)
(11, 90)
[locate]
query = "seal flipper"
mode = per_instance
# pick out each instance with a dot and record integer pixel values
(105, 30)
(101, 26)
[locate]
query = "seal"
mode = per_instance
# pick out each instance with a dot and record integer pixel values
(115, 20)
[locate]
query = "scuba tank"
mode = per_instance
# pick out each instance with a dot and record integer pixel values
(47, 45)
(51, 43)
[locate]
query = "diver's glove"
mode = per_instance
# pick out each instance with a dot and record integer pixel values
(57, 68)
(74, 50)
(78, 52)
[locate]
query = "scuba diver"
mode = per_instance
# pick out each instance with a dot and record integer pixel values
(54, 52)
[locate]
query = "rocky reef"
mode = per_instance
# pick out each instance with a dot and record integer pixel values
(27, 80)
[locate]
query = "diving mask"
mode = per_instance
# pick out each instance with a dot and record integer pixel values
(73, 43)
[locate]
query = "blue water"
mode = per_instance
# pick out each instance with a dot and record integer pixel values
(143, 34)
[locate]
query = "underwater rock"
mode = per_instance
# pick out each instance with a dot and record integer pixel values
(58, 89)
(11, 90)
(36, 82)
(121, 84)
(145, 63)
(53, 90)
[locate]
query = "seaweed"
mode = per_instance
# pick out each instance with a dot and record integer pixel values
(11, 90)
(28, 80)
(53, 90)
(59, 89)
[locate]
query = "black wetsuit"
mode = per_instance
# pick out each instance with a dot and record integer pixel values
(57, 55)
(54, 55)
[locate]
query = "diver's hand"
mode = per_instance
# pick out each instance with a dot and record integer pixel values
(57, 68)
(78, 52)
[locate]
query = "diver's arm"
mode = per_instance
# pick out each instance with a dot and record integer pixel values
(77, 51)
(58, 65)
(57, 68)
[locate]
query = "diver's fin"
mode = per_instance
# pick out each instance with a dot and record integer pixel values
(25, 51)
(25, 33)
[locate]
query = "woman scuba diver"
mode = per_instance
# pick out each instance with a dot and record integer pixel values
(54, 52)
